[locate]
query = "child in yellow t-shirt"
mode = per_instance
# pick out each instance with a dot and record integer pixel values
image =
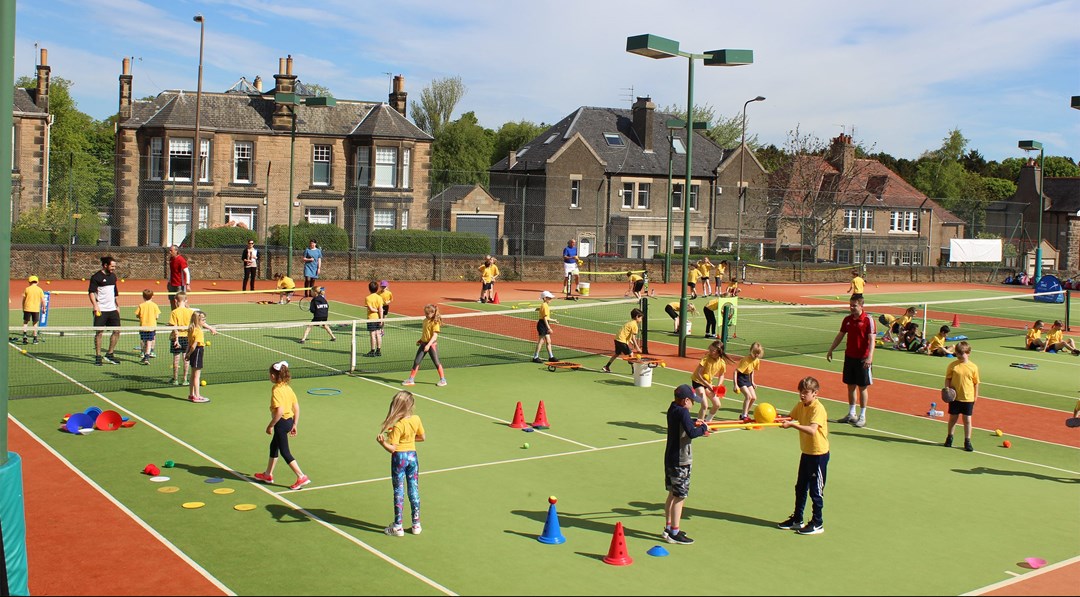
(284, 422)
(31, 306)
(284, 283)
(196, 346)
(1033, 340)
(809, 417)
(1056, 340)
(626, 342)
(712, 366)
(705, 267)
(180, 317)
(744, 379)
(543, 327)
(962, 376)
(692, 280)
(401, 430)
(636, 284)
(374, 304)
(147, 313)
(937, 346)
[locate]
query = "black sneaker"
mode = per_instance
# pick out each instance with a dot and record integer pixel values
(369, 353)
(948, 442)
(97, 361)
(812, 528)
(378, 352)
(679, 538)
(25, 341)
(791, 524)
(967, 446)
(111, 359)
(537, 360)
(847, 419)
(35, 340)
(606, 369)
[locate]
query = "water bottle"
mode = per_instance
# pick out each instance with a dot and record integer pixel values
(934, 412)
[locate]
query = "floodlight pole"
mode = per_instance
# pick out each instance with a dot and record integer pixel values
(1031, 146)
(197, 145)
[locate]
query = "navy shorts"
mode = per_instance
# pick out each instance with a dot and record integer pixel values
(374, 326)
(743, 380)
(30, 316)
(957, 407)
(855, 374)
(486, 285)
(672, 313)
(542, 328)
(639, 285)
(182, 348)
(196, 358)
(147, 336)
(677, 480)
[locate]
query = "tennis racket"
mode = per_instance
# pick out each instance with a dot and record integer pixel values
(304, 303)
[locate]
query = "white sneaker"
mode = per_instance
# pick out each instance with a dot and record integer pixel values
(408, 382)
(441, 383)
(416, 530)
(394, 531)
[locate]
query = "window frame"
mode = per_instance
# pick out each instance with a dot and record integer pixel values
(177, 155)
(904, 221)
(575, 193)
(642, 195)
(322, 162)
(157, 160)
(238, 159)
(628, 191)
(249, 214)
(324, 213)
(385, 169)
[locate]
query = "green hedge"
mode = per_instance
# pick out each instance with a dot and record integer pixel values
(329, 236)
(430, 241)
(213, 238)
(36, 236)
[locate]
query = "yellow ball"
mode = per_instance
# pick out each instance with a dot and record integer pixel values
(208, 343)
(22, 350)
(123, 280)
(764, 413)
(213, 283)
(997, 432)
(157, 282)
(202, 382)
(48, 281)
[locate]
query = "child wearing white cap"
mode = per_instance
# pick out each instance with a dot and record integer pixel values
(543, 327)
(31, 306)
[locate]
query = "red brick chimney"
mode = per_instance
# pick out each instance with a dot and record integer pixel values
(285, 82)
(125, 91)
(41, 97)
(397, 97)
(643, 112)
(842, 153)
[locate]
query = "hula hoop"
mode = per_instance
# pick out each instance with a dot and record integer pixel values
(324, 391)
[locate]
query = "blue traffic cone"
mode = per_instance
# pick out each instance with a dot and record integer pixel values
(552, 534)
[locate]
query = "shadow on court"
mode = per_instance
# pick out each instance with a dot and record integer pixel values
(982, 470)
(286, 514)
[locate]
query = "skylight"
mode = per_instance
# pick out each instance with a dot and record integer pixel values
(550, 139)
(613, 139)
(677, 146)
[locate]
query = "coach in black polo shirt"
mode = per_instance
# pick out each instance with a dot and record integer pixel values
(103, 295)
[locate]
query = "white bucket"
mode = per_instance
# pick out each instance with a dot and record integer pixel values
(689, 325)
(583, 288)
(642, 375)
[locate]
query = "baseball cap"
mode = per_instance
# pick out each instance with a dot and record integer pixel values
(32, 279)
(684, 391)
(384, 283)
(546, 294)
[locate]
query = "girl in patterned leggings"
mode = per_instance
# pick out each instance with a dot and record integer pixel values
(398, 435)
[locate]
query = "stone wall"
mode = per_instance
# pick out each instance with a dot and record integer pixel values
(66, 262)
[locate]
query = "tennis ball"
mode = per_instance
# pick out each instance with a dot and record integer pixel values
(1007, 444)
(48, 281)
(213, 283)
(22, 350)
(997, 432)
(202, 382)
(157, 282)
(208, 343)
(123, 280)
(525, 446)
(552, 499)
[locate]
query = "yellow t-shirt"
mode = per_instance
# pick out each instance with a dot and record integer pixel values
(721, 270)
(403, 433)
(936, 342)
(748, 365)
(374, 304)
(1054, 336)
(1032, 335)
(283, 397)
(963, 377)
(889, 319)
(674, 305)
(705, 268)
(693, 275)
(31, 298)
(904, 320)
(286, 283)
(628, 332)
(635, 278)
(817, 444)
(431, 327)
(148, 314)
(195, 337)
(857, 284)
(386, 295)
(181, 317)
(709, 369)
(488, 273)
(713, 305)
(545, 310)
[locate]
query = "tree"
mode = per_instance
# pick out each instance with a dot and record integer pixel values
(437, 103)
(318, 90)
(724, 131)
(512, 136)
(461, 153)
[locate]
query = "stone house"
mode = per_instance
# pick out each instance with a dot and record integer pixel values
(31, 122)
(469, 208)
(1017, 218)
(844, 209)
(360, 165)
(601, 176)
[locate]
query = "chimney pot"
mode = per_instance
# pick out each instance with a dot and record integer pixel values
(258, 83)
(44, 57)
(127, 66)
(288, 65)
(281, 66)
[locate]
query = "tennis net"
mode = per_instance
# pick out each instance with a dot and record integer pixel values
(63, 361)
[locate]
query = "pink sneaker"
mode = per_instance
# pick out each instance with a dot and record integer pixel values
(302, 481)
(198, 399)
(264, 477)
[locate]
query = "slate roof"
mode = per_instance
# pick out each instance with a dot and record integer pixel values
(24, 102)
(453, 193)
(629, 159)
(253, 113)
(1062, 194)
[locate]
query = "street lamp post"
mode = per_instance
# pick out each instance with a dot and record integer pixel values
(197, 145)
(653, 46)
(742, 182)
(672, 125)
(1032, 146)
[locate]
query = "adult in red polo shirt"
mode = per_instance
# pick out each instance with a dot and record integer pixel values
(179, 274)
(858, 358)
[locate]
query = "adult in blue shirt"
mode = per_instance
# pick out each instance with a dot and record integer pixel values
(570, 266)
(312, 265)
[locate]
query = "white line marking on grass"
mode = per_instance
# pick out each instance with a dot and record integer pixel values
(1022, 577)
(261, 487)
(168, 544)
(1011, 573)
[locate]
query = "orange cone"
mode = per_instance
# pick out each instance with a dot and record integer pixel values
(495, 300)
(955, 320)
(540, 422)
(519, 419)
(617, 555)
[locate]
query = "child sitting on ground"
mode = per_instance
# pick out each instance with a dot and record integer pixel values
(937, 347)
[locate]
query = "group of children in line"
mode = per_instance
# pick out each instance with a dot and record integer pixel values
(701, 270)
(187, 341)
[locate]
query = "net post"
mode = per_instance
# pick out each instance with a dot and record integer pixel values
(352, 351)
(645, 324)
(1068, 304)
(725, 316)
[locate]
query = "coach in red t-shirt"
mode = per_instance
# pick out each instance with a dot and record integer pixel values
(858, 358)
(179, 274)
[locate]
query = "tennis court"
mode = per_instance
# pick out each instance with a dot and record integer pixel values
(899, 507)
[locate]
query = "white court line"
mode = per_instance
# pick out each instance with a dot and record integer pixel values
(1021, 577)
(417, 575)
(168, 544)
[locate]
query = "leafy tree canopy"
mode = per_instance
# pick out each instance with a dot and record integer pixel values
(512, 136)
(437, 103)
(461, 153)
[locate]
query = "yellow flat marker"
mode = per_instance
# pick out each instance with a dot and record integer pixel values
(193, 505)
(224, 490)
(244, 507)
(168, 489)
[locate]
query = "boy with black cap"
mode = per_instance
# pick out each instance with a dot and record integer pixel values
(681, 430)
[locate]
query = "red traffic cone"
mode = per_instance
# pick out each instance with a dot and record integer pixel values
(519, 419)
(955, 320)
(541, 422)
(617, 555)
(495, 300)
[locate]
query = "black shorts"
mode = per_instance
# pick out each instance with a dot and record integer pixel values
(385, 311)
(672, 313)
(677, 480)
(542, 328)
(957, 407)
(622, 348)
(743, 380)
(147, 336)
(107, 318)
(30, 316)
(486, 285)
(639, 285)
(855, 374)
(374, 326)
(692, 284)
(182, 348)
(173, 289)
(195, 359)
(319, 319)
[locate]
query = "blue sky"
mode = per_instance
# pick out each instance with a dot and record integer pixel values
(899, 76)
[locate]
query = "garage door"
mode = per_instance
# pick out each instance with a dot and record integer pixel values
(486, 225)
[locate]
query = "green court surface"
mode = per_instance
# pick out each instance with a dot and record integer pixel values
(901, 512)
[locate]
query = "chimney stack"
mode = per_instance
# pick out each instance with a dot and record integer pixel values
(41, 97)
(125, 91)
(511, 160)
(842, 153)
(285, 82)
(643, 112)
(258, 83)
(397, 97)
